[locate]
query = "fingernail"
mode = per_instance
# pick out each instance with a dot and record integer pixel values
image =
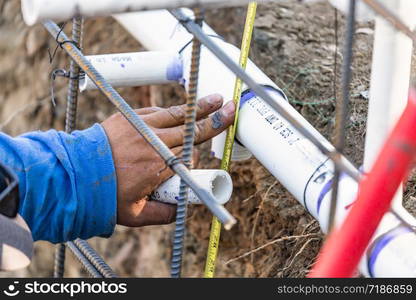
(228, 109)
(214, 99)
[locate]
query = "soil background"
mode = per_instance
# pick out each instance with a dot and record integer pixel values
(299, 46)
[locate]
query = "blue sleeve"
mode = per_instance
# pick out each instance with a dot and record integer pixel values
(67, 182)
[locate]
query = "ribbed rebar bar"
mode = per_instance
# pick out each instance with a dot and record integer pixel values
(84, 261)
(59, 262)
(70, 123)
(341, 108)
(188, 144)
(94, 258)
(74, 73)
(261, 92)
(136, 121)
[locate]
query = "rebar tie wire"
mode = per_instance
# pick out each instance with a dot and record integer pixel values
(74, 71)
(81, 249)
(136, 121)
(326, 148)
(188, 144)
(70, 122)
(173, 161)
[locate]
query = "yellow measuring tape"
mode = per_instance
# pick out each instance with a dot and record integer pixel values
(214, 237)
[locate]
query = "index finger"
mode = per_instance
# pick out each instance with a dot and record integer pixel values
(147, 110)
(204, 129)
(175, 115)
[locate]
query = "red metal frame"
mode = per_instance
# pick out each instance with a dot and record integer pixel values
(345, 246)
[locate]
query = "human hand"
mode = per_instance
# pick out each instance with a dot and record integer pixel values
(140, 170)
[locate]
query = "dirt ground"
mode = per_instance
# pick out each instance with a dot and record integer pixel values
(295, 44)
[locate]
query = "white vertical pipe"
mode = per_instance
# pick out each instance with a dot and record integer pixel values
(291, 158)
(135, 69)
(389, 85)
(390, 75)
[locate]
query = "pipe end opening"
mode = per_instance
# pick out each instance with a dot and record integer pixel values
(222, 187)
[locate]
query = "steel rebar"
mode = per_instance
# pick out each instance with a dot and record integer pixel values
(84, 261)
(59, 261)
(70, 124)
(341, 109)
(136, 121)
(74, 73)
(188, 144)
(94, 258)
(260, 91)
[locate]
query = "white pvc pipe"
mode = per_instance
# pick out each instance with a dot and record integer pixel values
(135, 69)
(389, 85)
(35, 11)
(308, 174)
(218, 182)
(158, 30)
(390, 76)
(291, 158)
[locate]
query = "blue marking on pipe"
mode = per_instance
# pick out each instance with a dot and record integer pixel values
(174, 72)
(322, 194)
(248, 94)
(381, 242)
(245, 97)
(327, 187)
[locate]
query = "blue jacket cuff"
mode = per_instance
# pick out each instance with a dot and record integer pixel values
(95, 179)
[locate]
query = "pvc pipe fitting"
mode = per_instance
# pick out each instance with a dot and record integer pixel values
(390, 73)
(297, 163)
(307, 174)
(135, 69)
(218, 182)
(35, 11)
(345, 245)
(214, 77)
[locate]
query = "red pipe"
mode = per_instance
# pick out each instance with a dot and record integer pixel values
(345, 246)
